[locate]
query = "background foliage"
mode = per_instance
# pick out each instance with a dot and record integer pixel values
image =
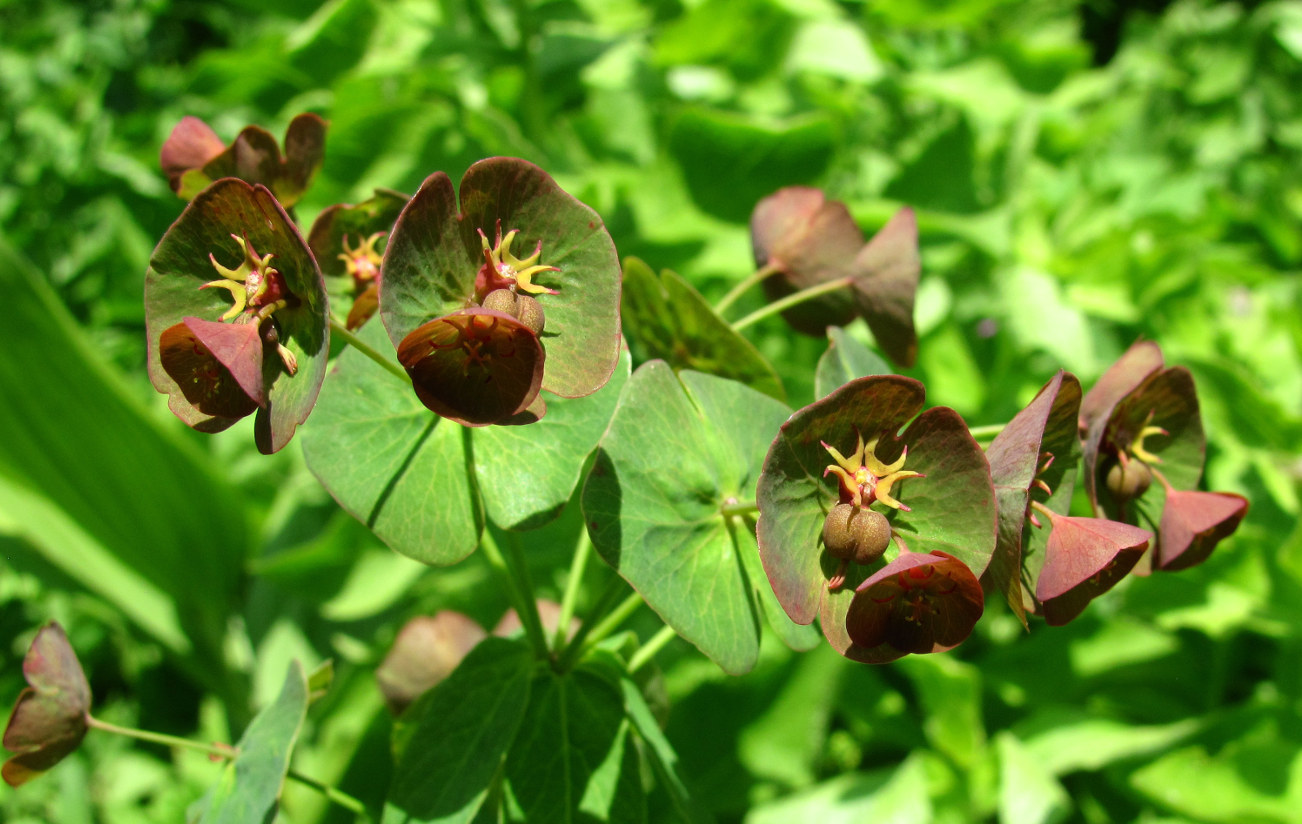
(1081, 180)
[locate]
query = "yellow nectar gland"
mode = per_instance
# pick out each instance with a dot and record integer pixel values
(864, 478)
(255, 286)
(362, 263)
(507, 271)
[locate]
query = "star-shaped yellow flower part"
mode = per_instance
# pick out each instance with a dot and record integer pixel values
(865, 479)
(363, 262)
(506, 266)
(254, 285)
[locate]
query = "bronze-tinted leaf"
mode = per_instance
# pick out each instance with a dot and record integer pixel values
(49, 720)
(1193, 523)
(426, 650)
(1084, 558)
(190, 145)
(207, 383)
(885, 284)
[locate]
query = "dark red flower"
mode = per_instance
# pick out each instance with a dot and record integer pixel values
(1193, 523)
(476, 367)
(1084, 558)
(920, 602)
(49, 720)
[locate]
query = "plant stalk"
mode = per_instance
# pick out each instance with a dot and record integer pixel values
(572, 585)
(523, 603)
(648, 650)
(791, 300)
(758, 276)
(337, 328)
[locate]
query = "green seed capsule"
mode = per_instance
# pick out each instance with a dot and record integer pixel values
(530, 313)
(501, 300)
(1130, 479)
(857, 534)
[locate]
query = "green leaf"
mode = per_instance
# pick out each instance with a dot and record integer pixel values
(900, 795)
(435, 254)
(89, 504)
(731, 161)
(390, 462)
(249, 786)
(527, 473)
(667, 318)
(463, 729)
(1258, 780)
(677, 451)
(664, 761)
(568, 758)
(845, 359)
(1027, 791)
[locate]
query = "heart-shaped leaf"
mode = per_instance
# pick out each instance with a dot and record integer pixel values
(950, 510)
(1039, 443)
(680, 449)
(390, 462)
(224, 221)
(49, 720)
(666, 318)
(527, 473)
(407, 473)
(460, 732)
(435, 255)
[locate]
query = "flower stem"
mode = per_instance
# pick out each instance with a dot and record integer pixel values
(758, 276)
(791, 300)
(334, 794)
(648, 650)
(572, 585)
(337, 328)
(576, 646)
(520, 587)
(738, 508)
(219, 750)
(224, 752)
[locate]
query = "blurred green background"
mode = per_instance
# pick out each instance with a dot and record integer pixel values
(1083, 175)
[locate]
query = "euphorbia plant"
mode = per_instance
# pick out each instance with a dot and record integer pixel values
(496, 384)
